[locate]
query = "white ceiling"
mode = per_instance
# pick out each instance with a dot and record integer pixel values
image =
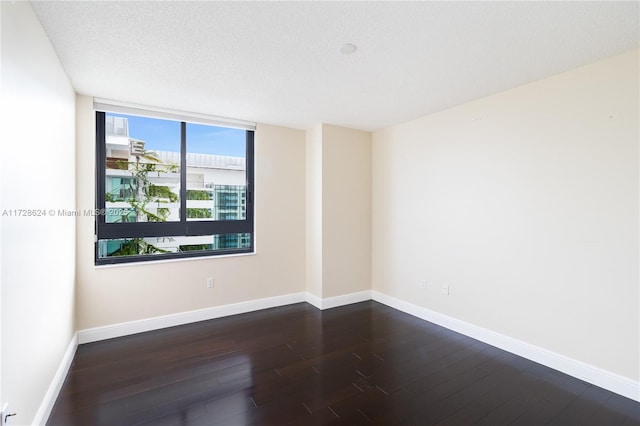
(279, 62)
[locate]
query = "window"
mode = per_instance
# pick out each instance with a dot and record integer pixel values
(171, 188)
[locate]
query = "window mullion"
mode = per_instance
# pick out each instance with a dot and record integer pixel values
(250, 146)
(183, 174)
(101, 176)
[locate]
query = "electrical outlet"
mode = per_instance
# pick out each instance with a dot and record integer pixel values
(423, 284)
(445, 289)
(209, 282)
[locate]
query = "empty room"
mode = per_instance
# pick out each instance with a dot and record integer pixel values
(292, 213)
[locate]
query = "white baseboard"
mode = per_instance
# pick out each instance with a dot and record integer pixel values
(42, 415)
(594, 375)
(334, 302)
(156, 323)
(345, 299)
(314, 300)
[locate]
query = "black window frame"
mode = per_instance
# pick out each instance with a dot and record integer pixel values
(181, 228)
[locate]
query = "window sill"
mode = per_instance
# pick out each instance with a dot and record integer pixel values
(184, 259)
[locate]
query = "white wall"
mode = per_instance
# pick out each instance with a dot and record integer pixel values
(526, 204)
(314, 210)
(114, 294)
(38, 253)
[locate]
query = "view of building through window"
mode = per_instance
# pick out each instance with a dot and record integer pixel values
(143, 180)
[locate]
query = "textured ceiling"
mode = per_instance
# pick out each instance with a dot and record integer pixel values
(279, 62)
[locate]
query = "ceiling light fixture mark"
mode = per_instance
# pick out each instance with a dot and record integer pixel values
(348, 48)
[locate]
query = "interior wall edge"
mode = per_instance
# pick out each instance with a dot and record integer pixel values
(46, 406)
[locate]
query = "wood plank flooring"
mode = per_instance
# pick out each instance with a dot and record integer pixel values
(295, 365)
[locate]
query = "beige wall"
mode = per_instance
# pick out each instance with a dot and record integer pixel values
(37, 172)
(526, 204)
(346, 211)
(338, 211)
(114, 294)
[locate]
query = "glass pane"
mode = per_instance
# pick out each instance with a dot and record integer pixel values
(216, 173)
(142, 179)
(162, 245)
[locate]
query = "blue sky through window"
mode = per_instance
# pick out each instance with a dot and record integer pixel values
(164, 135)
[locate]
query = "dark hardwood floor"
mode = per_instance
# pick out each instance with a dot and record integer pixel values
(359, 364)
